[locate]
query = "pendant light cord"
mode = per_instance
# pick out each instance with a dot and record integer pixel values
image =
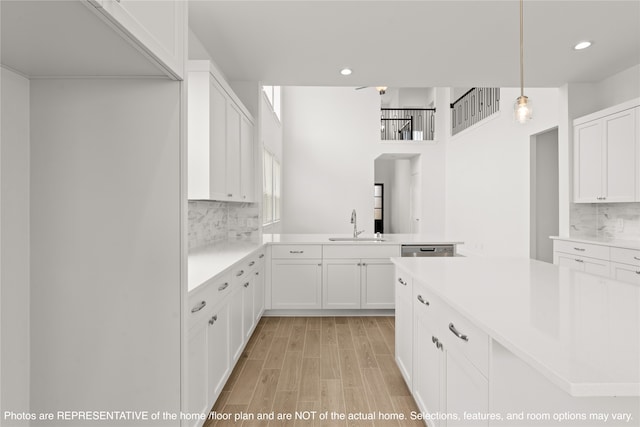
(521, 49)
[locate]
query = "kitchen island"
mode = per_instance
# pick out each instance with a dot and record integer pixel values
(510, 341)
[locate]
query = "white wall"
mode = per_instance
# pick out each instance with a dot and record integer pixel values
(106, 212)
(487, 178)
(331, 139)
(14, 245)
(400, 197)
(271, 134)
(619, 87)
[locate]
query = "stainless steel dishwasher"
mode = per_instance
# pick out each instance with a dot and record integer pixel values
(427, 250)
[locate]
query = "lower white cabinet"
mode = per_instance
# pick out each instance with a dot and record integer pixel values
(296, 283)
(588, 265)
(236, 331)
(197, 367)
(341, 283)
(404, 323)
(625, 272)
(248, 314)
(467, 390)
(258, 295)
(218, 357)
(377, 291)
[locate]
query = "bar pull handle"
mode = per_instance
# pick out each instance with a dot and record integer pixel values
(252, 263)
(422, 300)
(296, 252)
(457, 333)
(579, 260)
(261, 256)
(246, 285)
(636, 258)
(199, 307)
(580, 249)
(239, 273)
(223, 286)
(402, 282)
(213, 320)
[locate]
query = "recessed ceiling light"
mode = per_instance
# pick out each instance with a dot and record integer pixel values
(346, 71)
(582, 45)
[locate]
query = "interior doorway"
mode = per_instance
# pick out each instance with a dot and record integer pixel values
(399, 174)
(544, 194)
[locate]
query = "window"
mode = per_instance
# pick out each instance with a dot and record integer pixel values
(271, 189)
(273, 96)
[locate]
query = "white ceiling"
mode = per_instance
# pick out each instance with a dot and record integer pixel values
(417, 43)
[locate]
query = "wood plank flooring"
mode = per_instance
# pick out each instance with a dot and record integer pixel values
(344, 365)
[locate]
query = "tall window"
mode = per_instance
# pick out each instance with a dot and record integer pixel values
(273, 96)
(271, 189)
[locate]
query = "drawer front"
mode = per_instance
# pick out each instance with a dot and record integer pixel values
(625, 273)
(252, 262)
(462, 337)
(626, 256)
(581, 249)
(203, 299)
(373, 250)
(296, 251)
(426, 304)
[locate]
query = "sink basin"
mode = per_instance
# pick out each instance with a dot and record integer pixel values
(355, 239)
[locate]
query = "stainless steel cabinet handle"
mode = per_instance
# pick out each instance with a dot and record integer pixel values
(199, 307)
(422, 300)
(579, 260)
(402, 282)
(457, 333)
(213, 319)
(257, 273)
(364, 264)
(223, 286)
(246, 285)
(580, 249)
(439, 345)
(239, 273)
(261, 256)
(636, 258)
(359, 264)
(638, 272)
(252, 263)
(320, 265)
(296, 252)
(434, 339)
(229, 195)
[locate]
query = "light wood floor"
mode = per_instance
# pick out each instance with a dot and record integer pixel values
(335, 364)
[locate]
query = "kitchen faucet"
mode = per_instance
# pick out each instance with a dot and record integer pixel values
(354, 221)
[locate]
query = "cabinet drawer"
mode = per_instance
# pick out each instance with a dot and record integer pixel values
(463, 337)
(425, 303)
(203, 299)
(296, 251)
(253, 261)
(361, 251)
(582, 249)
(404, 285)
(625, 273)
(626, 256)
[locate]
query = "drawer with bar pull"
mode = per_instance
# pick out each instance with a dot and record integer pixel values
(626, 256)
(296, 251)
(581, 249)
(203, 299)
(461, 336)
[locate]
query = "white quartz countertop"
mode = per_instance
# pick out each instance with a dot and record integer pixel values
(388, 239)
(580, 331)
(626, 244)
(209, 261)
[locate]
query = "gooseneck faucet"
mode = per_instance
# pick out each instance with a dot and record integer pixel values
(354, 221)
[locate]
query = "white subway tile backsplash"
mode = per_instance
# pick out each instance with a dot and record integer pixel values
(212, 222)
(602, 221)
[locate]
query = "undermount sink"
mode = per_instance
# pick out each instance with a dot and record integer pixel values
(355, 239)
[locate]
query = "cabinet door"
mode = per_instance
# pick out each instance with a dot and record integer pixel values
(248, 317)
(428, 370)
(377, 284)
(296, 283)
(587, 151)
(218, 143)
(596, 266)
(236, 333)
(467, 390)
(197, 366)
(341, 283)
(157, 27)
(247, 178)
(219, 364)
(404, 326)
(233, 152)
(620, 157)
(258, 294)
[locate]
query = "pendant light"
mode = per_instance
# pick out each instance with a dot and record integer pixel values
(522, 108)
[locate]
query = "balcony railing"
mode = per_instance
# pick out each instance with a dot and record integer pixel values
(475, 105)
(407, 124)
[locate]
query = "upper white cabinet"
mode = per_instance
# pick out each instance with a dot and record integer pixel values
(156, 26)
(221, 139)
(606, 155)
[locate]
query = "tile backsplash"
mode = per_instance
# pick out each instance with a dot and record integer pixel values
(619, 221)
(213, 222)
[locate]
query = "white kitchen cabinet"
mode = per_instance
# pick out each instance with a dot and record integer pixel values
(157, 28)
(404, 325)
(236, 331)
(248, 318)
(588, 265)
(218, 357)
(377, 290)
(296, 283)
(467, 390)
(428, 369)
(247, 165)
(258, 296)
(605, 157)
(221, 141)
(625, 273)
(341, 283)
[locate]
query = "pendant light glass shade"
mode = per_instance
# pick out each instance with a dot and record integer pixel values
(522, 109)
